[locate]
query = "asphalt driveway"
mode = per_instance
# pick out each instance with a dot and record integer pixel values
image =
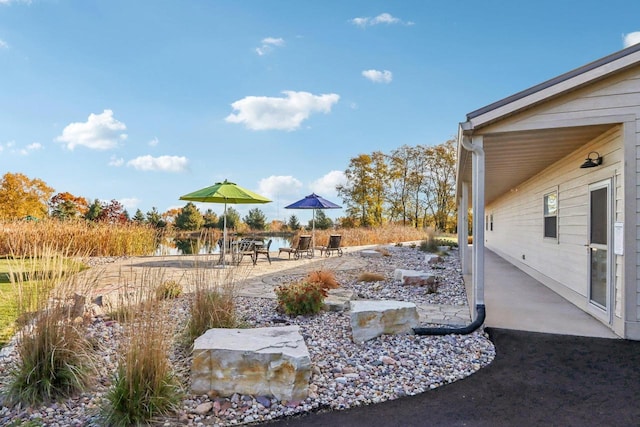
(536, 379)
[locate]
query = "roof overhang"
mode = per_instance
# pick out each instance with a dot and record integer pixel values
(515, 156)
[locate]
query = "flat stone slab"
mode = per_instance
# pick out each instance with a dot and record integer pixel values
(271, 361)
(399, 274)
(372, 318)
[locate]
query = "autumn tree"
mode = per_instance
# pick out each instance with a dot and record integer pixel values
(398, 195)
(169, 216)
(441, 181)
(113, 212)
(21, 197)
(189, 218)
(67, 206)
(355, 192)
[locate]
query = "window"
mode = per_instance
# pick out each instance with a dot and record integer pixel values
(551, 215)
(486, 222)
(491, 222)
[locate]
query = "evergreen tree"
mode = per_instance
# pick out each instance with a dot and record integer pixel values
(322, 221)
(233, 219)
(293, 223)
(154, 218)
(139, 217)
(255, 219)
(94, 211)
(210, 219)
(189, 218)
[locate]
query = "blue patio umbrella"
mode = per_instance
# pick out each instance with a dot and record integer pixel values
(313, 201)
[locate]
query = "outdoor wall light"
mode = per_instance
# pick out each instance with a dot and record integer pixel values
(592, 161)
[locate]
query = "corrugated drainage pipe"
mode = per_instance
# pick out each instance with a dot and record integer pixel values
(481, 314)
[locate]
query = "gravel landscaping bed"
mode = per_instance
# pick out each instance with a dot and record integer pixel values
(344, 374)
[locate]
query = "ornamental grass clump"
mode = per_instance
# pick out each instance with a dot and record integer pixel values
(145, 386)
(54, 355)
(213, 301)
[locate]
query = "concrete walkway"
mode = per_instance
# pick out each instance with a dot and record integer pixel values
(515, 300)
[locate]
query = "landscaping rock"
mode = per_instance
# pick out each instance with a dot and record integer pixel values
(272, 361)
(399, 274)
(426, 280)
(372, 318)
(338, 299)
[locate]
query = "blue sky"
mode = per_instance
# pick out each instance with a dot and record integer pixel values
(144, 101)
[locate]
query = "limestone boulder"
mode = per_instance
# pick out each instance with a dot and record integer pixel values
(270, 361)
(399, 274)
(372, 318)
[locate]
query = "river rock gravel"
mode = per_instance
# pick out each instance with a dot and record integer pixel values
(344, 374)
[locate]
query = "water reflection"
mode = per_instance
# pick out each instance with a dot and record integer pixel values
(193, 246)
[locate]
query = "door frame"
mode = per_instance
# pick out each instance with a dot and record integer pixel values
(602, 312)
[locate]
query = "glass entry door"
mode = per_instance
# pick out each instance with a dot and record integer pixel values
(599, 244)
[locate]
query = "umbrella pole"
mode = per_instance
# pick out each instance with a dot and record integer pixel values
(313, 233)
(224, 234)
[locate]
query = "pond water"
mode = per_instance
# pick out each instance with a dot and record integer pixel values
(192, 246)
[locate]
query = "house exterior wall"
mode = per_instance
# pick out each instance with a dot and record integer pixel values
(517, 216)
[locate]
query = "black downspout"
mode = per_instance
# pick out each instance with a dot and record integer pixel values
(481, 314)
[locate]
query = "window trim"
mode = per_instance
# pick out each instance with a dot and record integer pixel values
(545, 215)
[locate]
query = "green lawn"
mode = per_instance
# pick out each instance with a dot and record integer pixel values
(9, 291)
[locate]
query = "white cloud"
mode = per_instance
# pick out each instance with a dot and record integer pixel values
(274, 187)
(116, 161)
(3, 44)
(99, 132)
(378, 76)
(383, 18)
(326, 185)
(154, 142)
(30, 148)
(161, 164)
(129, 202)
(631, 39)
(8, 2)
(268, 44)
(263, 113)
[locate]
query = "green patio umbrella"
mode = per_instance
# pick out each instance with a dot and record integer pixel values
(225, 192)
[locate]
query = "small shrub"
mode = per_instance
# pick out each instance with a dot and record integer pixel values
(371, 277)
(168, 290)
(300, 298)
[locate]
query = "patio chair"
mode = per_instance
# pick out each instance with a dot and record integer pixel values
(332, 246)
(303, 247)
(245, 247)
(263, 250)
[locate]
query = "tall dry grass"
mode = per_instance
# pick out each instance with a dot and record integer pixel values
(212, 304)
(55, 357)
(74, 237)
(371, 236)
(145, 385)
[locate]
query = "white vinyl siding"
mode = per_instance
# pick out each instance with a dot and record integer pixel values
(520, 235)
